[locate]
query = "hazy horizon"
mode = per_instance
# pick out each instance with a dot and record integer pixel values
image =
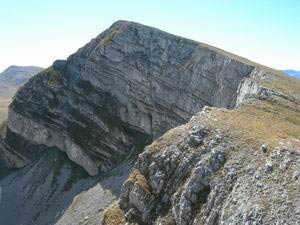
(35, 33)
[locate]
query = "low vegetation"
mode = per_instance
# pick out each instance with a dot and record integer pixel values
(113, 215)
(257, 122)
(282, 83)
(137, 178)
(109, 37)
(166, 139)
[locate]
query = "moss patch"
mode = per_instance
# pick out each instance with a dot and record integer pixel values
(109, 37)
(53, 77)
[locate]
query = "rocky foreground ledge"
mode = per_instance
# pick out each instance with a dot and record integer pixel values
(236, 166)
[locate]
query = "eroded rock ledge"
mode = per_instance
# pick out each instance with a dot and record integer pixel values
(177, 176)
(206, 173)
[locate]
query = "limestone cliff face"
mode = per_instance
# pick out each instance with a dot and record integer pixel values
(110, 98)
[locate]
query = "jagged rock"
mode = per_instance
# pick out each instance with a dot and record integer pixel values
(196, 136)
(296, 175)
(217, 182)
(198, 183)
(269, 166)
(264, 148)
(131, 214)
(285, 164)
(59, 64)
(165, 171)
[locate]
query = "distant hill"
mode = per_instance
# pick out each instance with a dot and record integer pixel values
(15, 76)
(292, 73)
(10, 80)
(18, 75)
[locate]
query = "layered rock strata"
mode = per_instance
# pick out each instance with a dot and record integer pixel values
(127, 86)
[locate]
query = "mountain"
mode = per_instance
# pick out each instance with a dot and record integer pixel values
(208, 137)
(15, 76)
(18, 75)
(292, 73)
(10, 80)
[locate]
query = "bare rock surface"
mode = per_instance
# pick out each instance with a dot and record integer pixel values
(217, 179)
(127, 86)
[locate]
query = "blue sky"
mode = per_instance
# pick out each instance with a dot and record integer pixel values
(36, 32)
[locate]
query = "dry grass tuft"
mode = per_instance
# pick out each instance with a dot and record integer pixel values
(109, 37)
(167, 139)
(282, 83)
(113, 215)
(139, 179)
(258, 122)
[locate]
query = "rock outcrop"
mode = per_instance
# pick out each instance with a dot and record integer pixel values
(208, 172)
(124, 88)
(176, 176)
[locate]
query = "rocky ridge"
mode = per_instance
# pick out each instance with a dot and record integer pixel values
(130, 85)
(208, 171)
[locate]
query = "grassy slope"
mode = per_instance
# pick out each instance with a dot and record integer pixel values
(260, 121)
(282, 83)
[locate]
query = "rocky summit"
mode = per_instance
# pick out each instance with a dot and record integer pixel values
(221, 135)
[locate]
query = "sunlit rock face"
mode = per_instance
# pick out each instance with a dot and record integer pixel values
(124, 88)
